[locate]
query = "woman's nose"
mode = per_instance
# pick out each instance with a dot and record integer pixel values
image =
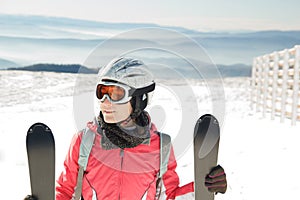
(106, 102)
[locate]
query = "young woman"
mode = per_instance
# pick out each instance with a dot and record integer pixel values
(124, 162)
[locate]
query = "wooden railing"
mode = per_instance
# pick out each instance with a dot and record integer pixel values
(275, 84)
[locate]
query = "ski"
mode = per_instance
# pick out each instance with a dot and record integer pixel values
(41, 161)
(206, 146)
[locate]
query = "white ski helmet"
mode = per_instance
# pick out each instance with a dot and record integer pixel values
(133, 73)
(128, 71)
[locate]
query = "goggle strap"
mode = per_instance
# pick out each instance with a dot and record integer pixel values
(138, 92)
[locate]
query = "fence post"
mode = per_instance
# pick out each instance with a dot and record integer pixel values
(259, 80)
(253, 84)
(274, 84)
(296, 86)
(266, 66)
(284, 85)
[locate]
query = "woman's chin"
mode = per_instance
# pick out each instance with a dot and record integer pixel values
(110, 119)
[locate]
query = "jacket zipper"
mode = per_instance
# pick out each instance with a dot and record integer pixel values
(122, 158)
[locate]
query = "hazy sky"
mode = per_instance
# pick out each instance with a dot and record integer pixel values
(204, 15)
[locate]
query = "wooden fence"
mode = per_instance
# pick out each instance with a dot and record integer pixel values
(275, 84)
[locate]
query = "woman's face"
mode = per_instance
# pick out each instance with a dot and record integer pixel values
(114, 113)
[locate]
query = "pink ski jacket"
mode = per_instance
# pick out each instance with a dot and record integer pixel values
(119, 174)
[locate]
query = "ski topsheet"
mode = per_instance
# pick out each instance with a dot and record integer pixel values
(206, 146)
(41, 161)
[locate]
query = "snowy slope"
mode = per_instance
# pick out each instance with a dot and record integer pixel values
(259, 155)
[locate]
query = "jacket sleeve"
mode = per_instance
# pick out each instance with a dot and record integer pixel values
(171, 180)
(68, 178)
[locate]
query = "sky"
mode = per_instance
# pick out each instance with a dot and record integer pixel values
(202, 15)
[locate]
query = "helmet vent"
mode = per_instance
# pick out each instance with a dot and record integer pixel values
(133, 75)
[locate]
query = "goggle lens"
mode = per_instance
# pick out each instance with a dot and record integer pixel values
(115, 93)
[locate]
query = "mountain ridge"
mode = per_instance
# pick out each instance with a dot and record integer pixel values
(236, 70)
(44, 39)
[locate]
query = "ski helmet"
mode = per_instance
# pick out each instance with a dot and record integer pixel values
(133, 73)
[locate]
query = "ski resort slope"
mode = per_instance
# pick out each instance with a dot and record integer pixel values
(259, 155)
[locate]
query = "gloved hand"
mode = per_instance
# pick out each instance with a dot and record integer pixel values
(216, 180)
(30, 197)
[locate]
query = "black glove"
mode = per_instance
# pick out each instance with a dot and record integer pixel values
(30, 197)
(216, 181)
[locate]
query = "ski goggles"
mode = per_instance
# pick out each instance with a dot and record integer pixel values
(119, 93)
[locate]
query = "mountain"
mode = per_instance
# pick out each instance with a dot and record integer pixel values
(5, 64)
(243, 47)
(29, 40)
(71, 68)
(60, 27)
(236, 70)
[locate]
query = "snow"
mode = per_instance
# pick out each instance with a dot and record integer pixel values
(259, 155)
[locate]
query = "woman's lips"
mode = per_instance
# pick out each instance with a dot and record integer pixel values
(108, 111)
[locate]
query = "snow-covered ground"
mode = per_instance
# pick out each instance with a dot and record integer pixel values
(258, 154)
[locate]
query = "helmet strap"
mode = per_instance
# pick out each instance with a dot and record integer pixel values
(138, 105)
